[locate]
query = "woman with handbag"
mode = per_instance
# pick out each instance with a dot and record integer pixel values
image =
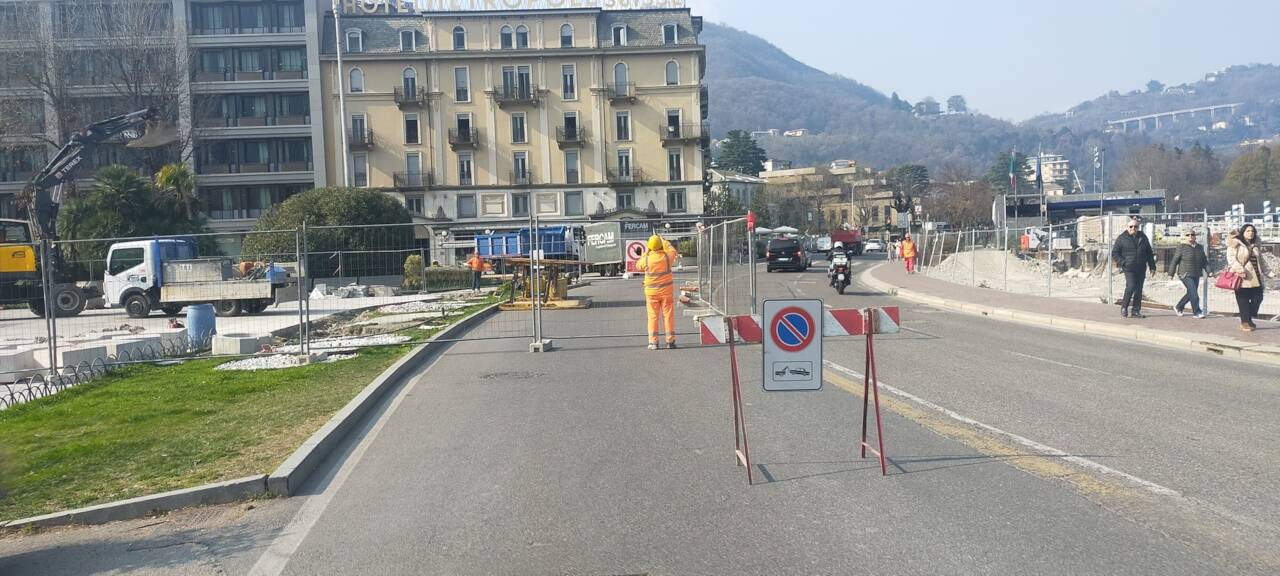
(1244, 259)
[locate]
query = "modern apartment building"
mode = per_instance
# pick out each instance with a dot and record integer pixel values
(236, 77)
(478, 119)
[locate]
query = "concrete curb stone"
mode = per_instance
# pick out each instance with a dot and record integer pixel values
(1215, 345)
(288, 476)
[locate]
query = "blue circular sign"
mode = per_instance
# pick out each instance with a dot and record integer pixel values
(792, 329)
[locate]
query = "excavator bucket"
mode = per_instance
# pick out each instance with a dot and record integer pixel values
(157, 133)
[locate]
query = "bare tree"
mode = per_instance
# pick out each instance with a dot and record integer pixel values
(961, 198)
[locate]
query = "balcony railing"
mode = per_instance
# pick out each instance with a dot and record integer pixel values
(360, 139)
(521, 178)
(633, 176)
(413, 179)
(463, 139)
(244, 121)
(272, 166)
(231, 75)
(625, 91)
(571, 136)
(515, 95)
(682, 132)
(415, 97)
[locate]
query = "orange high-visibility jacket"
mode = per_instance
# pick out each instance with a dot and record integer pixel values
(908, 249)
(476, 264)
(657, 265)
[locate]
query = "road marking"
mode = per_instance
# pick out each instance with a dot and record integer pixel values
(1073, 366)
(273, 561)
(1044, 468)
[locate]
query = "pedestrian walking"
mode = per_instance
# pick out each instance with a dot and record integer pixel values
(907, 250)
(1244, 257)
(659, 289)
(1190, 264)
(891, 253)
(1132, 253)
(476, 264)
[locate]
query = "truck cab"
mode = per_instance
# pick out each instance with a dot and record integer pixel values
(135, 273)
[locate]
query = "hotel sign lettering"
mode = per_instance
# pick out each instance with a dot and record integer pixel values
(358, 7)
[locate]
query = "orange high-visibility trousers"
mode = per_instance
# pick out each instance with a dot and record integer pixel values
(661, 302)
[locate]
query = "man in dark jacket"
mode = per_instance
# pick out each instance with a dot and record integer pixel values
(1190, 264)
(1132, 253)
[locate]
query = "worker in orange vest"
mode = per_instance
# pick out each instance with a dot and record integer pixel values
(659, 288)
(908, 252)
(476, 264)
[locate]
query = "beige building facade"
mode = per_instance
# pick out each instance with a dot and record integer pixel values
(476, 120)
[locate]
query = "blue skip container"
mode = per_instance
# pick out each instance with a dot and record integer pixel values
(201, 325)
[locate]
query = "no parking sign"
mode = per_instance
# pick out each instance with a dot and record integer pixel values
(792, 345)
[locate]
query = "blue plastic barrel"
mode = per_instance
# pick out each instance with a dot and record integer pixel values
(202, 324)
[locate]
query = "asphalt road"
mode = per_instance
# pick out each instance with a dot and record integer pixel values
(1014, 450)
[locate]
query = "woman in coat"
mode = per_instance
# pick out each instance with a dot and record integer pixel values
(1244, 257)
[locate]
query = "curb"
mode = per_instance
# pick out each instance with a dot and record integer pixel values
(295, 470)
(1212, 345)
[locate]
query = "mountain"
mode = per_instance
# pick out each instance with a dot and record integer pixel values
(754, 85)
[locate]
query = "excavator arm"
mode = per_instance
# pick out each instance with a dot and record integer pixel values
(141, 129)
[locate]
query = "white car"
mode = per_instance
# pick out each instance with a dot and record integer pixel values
(873, 245)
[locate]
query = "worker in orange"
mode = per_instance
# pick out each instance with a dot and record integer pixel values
(659, 288)
(476, 264)
(908, 252)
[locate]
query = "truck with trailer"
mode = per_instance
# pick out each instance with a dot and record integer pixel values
(167, 274)
(852, 240)
(598, 246)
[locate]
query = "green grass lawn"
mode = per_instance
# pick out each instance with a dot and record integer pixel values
(148, 429)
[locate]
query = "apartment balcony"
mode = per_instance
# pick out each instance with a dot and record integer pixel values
(360, 139)
(230, 75)
(252, 121)
(416, 98)
(622, 92)
(507, 96)
(413, 180)
(467, 139)
(574, 137)
(682, 133)
(521, 178)
(632, 177)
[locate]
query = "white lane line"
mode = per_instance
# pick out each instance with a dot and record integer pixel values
(273, 561)
(1028, 443)
(1073, 366)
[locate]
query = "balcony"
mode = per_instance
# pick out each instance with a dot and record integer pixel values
(272, 167)
(632, 177)
(682, 133)
(463, 139)
(230, 75)
(360, 139)
(622, 92)
(573, 137)
(252, 121)
(521, 178)
(416, 98)
(515, 96)
(412, 180)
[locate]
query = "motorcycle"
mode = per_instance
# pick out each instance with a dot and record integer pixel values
(840, 274)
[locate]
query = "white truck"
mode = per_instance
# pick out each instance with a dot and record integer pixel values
(167, 274)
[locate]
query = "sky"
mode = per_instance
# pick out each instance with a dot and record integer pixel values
(1011, 59)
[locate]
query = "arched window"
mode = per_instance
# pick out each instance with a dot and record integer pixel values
(459, 38)
(566, 36)
(619, 35)
(355, 41)
(357, 81)
(673, 73)
(506, 39)
(621, 76)
(409, 81)
(670, 34)
(522, 37)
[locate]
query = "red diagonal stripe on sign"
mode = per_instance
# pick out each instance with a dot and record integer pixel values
(847, 322)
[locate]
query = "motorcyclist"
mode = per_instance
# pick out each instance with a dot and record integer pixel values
(838, 254)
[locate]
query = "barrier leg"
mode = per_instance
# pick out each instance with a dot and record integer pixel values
(741, 452)
(871, 386)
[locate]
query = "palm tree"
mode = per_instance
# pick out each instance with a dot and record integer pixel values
(176, 184)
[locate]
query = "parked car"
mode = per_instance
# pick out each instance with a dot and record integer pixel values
(874, 245)
(785, 254)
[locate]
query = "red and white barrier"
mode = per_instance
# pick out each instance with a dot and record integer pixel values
(840, 322)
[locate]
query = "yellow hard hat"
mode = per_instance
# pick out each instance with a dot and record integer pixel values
(655, 242)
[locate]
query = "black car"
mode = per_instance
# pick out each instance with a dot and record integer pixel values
(785, 254)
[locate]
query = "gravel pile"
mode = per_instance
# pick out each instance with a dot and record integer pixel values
(348, 343)
(274, 362)
(416, 307)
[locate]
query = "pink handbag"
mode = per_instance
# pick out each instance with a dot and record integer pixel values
(1229, 280)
